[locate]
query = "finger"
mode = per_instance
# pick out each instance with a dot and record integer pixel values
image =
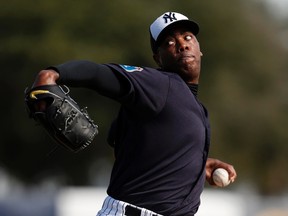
(232, 173)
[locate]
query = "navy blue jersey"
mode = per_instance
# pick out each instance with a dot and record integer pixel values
(160, 137)
(161, 140)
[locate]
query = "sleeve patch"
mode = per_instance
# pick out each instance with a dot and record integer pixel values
(129, 68)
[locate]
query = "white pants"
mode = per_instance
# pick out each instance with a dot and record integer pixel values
(112, 207)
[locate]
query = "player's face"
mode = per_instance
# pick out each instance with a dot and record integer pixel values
(179, 52)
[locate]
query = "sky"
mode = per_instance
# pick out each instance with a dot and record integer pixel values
(279, 7)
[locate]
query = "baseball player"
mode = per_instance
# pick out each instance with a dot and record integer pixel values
(161, 135)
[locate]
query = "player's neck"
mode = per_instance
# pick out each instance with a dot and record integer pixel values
(194, 89)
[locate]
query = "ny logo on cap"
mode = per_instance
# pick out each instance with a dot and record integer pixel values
(169, 17)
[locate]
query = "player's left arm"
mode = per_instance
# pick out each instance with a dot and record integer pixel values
(85, 74)
(213, 164)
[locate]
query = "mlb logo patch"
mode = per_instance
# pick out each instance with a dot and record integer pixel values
(129, 68)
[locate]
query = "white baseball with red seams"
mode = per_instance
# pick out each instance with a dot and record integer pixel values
(221, 177)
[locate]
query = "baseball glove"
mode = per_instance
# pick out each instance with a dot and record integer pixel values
(68, 125)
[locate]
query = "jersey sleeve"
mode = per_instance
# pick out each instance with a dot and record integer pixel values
(87, 74)
(148, 88)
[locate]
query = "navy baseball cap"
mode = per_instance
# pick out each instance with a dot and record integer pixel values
(166, 22)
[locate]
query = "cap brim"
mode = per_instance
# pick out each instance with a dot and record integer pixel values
(190, 25)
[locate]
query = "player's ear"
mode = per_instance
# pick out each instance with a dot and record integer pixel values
(157, 59)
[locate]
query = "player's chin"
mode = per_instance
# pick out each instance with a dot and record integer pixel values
(189, 71)
(190, 76)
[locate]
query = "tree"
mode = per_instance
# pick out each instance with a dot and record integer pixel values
(242, 83)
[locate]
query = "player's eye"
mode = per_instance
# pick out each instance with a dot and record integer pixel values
(188, 37)
(169, 42)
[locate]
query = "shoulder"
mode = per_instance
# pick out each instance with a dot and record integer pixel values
(131, 68)
(140, 71)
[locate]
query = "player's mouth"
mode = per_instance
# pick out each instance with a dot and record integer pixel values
(186, 58)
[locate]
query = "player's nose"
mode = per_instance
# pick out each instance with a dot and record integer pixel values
(182, 45)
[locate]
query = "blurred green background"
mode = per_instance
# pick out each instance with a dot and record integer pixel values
(243, 82)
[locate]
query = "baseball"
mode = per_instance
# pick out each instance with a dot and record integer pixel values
(221, 177)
